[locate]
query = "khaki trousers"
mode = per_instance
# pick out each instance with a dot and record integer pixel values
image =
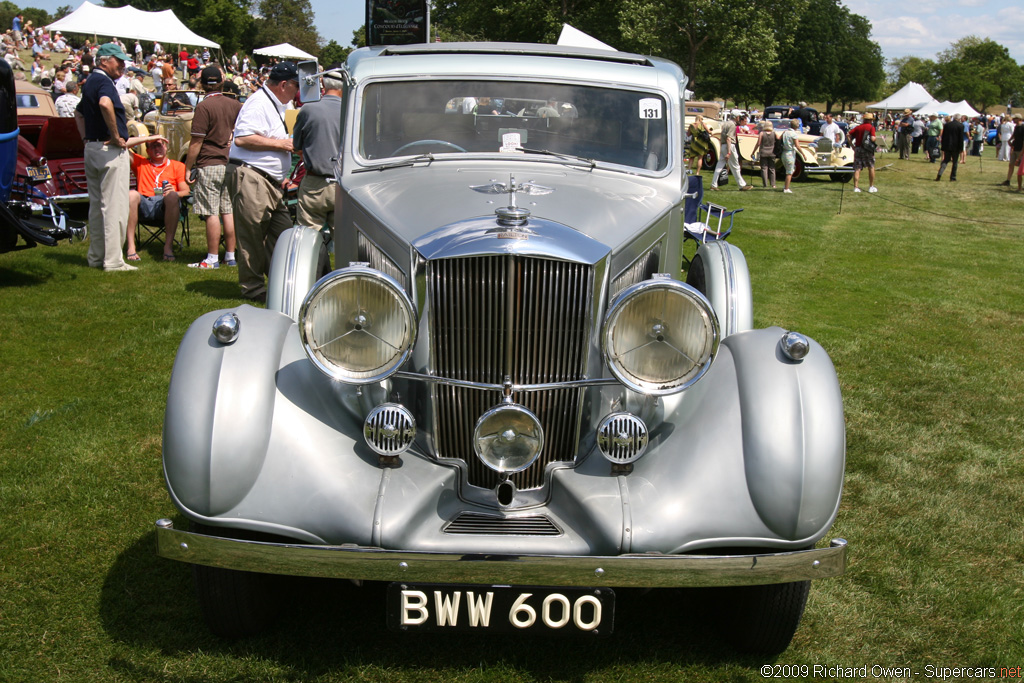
(316, 202)
(260, 218)
(108, 173)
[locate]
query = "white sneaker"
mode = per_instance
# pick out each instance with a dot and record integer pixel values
(856, 189)
(123, 266)
(787, 191)
(872, 189)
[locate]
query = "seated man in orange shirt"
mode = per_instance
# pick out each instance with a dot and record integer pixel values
(161, 181)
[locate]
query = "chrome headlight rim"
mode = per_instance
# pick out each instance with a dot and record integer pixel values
(332, 279)
(619, 304)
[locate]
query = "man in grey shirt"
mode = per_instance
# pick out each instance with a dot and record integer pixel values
(317, 137)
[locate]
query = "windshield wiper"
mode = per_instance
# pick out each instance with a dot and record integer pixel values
(397, 164)
(568, 157)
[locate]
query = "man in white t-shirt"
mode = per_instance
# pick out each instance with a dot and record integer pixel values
(831, 130)
(258, 164)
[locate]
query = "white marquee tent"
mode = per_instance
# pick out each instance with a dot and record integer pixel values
(128, 22)
(911, 96)
(283, 50)
(943, 108)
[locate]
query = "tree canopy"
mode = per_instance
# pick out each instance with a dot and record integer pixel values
(741, 49)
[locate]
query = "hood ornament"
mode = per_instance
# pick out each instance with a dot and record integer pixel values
(512, 214)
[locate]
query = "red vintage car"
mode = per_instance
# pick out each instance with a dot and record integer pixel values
(27, 187)
(50, 150)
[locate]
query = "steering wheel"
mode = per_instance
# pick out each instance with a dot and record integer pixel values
(425, 143)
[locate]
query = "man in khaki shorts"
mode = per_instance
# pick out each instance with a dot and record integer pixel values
(212, 127)
(258, 166)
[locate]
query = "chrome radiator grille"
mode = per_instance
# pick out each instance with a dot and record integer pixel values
(494, 317)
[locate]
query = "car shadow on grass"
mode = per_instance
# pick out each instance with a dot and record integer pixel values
(215, 289)
(333, 628)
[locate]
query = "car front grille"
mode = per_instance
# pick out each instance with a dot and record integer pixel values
(527, 319)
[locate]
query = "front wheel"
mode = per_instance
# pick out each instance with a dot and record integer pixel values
(235, 604)
(710, 158)
(759, 620)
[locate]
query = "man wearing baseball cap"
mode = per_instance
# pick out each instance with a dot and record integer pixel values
(212, 127)
(258, 164)
(104, 128)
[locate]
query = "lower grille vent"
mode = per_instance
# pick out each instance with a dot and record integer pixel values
(474, 523)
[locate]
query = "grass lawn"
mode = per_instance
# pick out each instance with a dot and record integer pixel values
(917, 292)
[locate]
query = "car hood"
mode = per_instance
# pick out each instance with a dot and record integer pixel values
(607, 206)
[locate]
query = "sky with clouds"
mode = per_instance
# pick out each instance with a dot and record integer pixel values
(920, 28)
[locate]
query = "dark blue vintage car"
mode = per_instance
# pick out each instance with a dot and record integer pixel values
(813, 122)
(25, 211)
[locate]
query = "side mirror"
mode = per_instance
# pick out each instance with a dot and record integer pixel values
(309, 82)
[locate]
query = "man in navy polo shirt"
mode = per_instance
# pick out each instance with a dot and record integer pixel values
(104, 127)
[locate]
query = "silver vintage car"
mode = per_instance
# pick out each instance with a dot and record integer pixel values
(506, 402)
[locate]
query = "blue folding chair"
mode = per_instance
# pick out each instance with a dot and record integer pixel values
(703, 222)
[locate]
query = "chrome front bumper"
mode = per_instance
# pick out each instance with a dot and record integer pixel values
(815, 170)
(622, 571)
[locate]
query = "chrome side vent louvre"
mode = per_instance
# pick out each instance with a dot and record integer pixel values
(474, 523)
(641, 269)
(370, 253)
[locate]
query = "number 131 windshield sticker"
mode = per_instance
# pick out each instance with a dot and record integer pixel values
(650, 108)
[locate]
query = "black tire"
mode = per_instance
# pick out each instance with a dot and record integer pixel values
(840, 177)
(8, 238)
(760, 620)
(235, 604)
(695, 274)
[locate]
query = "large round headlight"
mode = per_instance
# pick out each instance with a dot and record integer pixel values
(660, 336)
(357, 325)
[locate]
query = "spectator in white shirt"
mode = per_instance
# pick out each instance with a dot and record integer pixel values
(68, 102)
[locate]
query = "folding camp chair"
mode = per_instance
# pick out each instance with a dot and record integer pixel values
(703, 222)
(146, 233)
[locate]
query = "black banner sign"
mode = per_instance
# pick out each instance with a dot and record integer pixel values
(396, 22)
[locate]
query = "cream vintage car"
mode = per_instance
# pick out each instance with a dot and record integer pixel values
(508, 401)
(818, 157)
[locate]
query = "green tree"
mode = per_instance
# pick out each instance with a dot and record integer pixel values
(287, 21)
(530, 21)
(978, 70)
(830, 56)
(62, 12)
(862, 73)
(725, 47)
(903, 70)
(333, 53)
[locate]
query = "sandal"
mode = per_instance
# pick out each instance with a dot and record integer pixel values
(133, 257)
(169, 257)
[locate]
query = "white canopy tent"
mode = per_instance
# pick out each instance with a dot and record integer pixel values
(933, 107)
(960, 108)
(574, 37)
(283, 50)
(128, 22)
(911, 96)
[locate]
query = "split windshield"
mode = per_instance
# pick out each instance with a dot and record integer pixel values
(498, 117)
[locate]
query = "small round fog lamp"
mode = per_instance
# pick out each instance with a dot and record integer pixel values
(508, 438)
(225, 328)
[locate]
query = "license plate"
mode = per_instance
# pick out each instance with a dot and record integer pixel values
(508, 609)
(38, 173)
